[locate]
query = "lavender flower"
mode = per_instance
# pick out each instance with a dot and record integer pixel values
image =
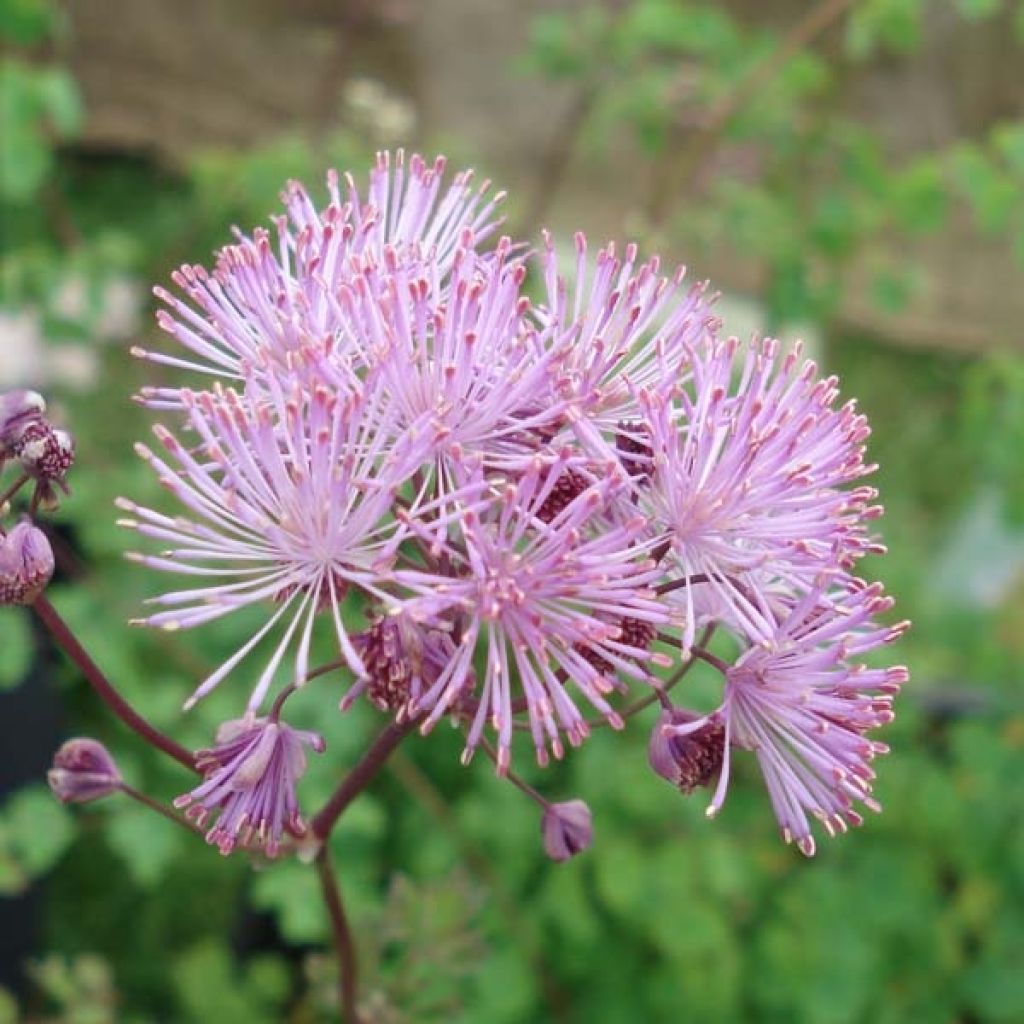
(83, 770)
(566, 829)
(621, 330)
(545, 599)
(464, 374)
(288, 502)
(26, 564)
(748, 482)
(250, 778)
(803, 707)
(270, 303)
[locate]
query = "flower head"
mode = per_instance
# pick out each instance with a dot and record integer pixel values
(26, 564)
(546, 601)
(288, 502)
(803, 706)
(83, 770)
(567, 829)
(270, 302)
(249, 783)
(748, 481)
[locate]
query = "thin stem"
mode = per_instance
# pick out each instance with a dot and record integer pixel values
(358, 779)
(155, 805)
(711, 659)
(14, 488)
(344, 944)
(293, 687)
(105, 690)
(684, 581)
(516, 781)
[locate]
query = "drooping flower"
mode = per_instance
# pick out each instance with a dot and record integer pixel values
(804, 706)
(250, 775)
(749, 481)
(546, 601)
(26, 564)
(566, 829)
(689, 759)
(83, 770)
(269, 302)
(287, 501)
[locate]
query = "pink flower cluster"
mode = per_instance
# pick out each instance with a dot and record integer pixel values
(512, 496)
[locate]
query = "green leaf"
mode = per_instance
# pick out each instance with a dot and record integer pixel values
(920, 196)
(25, 22)
(975, 10)
(36, 830)
(292, 892)
(8, 1007)
(17, 648)
(145, 841)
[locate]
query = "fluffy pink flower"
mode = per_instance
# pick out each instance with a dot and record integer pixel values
(272, 301)
(803, 704)
(750, 482)
(547, 601)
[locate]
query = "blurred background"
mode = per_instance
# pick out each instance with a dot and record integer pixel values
(847, 172)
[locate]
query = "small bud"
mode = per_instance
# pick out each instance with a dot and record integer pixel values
(45, 453)
(17, 409)
(402, 659)
(691, 759)
(566, 829)
(26, 564)
(83, 770)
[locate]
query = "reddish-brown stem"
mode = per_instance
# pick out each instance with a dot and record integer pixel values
(358, 779)
(105, 690)
(343, 941)
(320, 670)
(685, 581)
(711, 659)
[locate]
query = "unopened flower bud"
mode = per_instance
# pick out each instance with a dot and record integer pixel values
(17, 410)
(688, 759)
(26, 564)
(83, 770)
(46, 454)
(566, 829)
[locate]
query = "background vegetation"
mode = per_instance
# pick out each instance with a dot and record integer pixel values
(918, 917)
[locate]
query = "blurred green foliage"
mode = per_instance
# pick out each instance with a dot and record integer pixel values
(669, 917)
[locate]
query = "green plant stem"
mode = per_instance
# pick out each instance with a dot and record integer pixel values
(105, 690)
(348, 976)
(155, 805)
